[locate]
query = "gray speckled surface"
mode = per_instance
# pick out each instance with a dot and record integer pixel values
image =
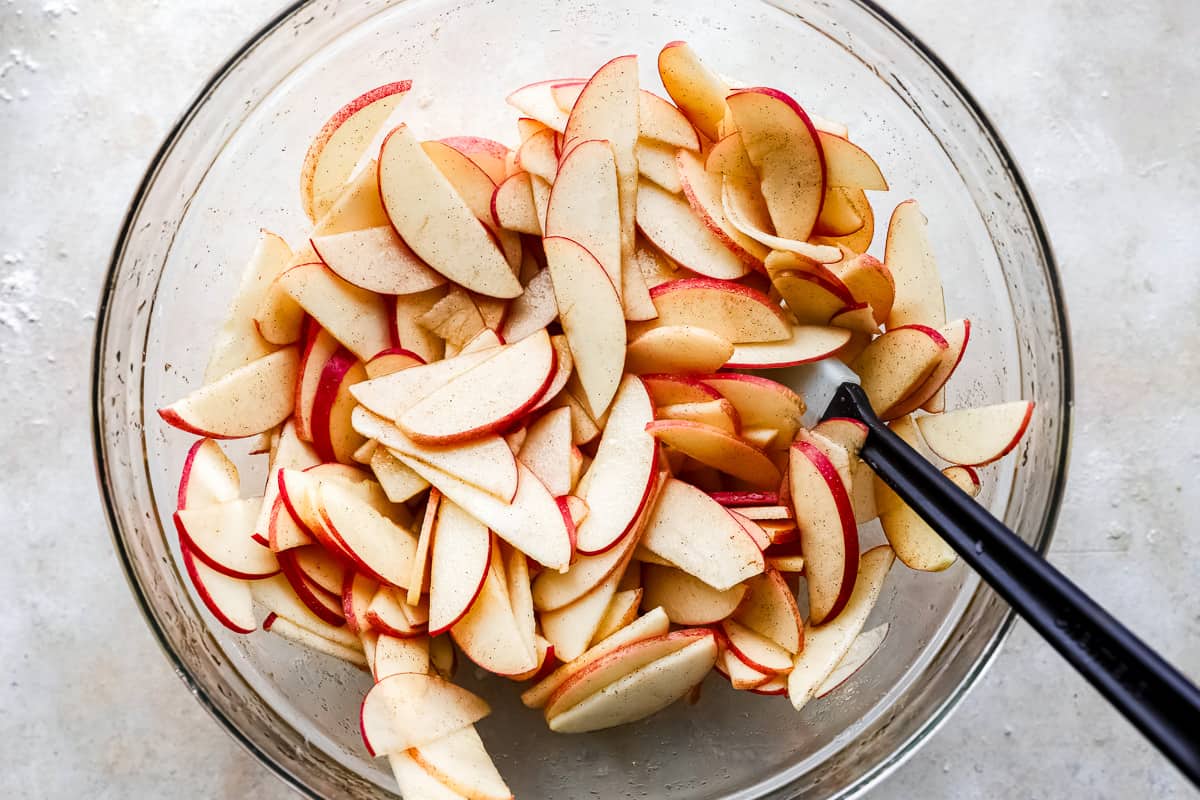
(1099, 106)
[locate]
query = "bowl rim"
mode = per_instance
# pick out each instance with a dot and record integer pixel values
(877, 772)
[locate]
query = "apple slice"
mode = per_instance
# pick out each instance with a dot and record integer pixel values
(977, 436)
(487, 154)
(278, 318)
(332, 434)
(547, 450)
(459, 557)
(337, 147)
(617, 664)
(668, 390)
(760, 401)
(392, 395)
(966, 478)
(677, 348)
(592, 318)
(238, 341)
(420, 562)
(485, 398)
(378, 546)
(956, 334)
(865, 645)
(806, 344)
(415, 781)
(784, 146)
(656, 163)
(395, 656)
(909, 257)
(622, 611)
(319, 567)
(655, 267)
(555, 590)
(436, 222)
(839, 216)
(376, 259)
(411, 710)
(658, 120)
(394, 359)
(208, 477)
(756, 650)
(455, 317)
(671, 225)
(277, 595)
(357, 206)
(584, 205)
(573, 627)
(847, 164)
(642, 692)
(742, 215)
(688, 600)
(538, 157)
(533, 310)
(246, 401)
(694, 532)
(741, 675)
(462, 764)
(354, 316)
(489, 634)
(715, 448)
(399, 483)
(719, 414)
(826, 645)
(703, 190)
(537, 101)
(898, 363)
(858, 318)
(770, 610)
(564, 366)
(512, 205)
(219, 535)
(290, 453)
(828, 533)
(520, 600)
(412, 337)
(532, 522)
(476, 189)
(388, 612)
(698, 91)
(735, 312)
(618, 483)
(869, 281)
(485, 463)
(745, 500)
(228, 599)
(652, 623)
(312, 640)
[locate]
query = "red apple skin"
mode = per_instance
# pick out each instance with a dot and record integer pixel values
(172, 418)
(306, 590)
(189, 565)
(650, 379)
(483, 575)
(849, 527)
(716, 284)
(565, 508)
(332, 375)
(742, 499)
(260, 539)
(209, 562)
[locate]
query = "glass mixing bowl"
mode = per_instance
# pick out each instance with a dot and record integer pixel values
(232, 165)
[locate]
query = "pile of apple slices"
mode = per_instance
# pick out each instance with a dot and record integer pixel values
(499, 395)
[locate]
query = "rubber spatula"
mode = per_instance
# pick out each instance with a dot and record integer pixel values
(1162, 703)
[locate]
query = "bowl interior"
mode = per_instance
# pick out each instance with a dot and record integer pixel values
(233, 166)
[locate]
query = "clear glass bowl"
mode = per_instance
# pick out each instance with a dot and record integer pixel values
(232, 165)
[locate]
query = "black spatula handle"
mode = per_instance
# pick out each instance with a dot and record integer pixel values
(1153, 695)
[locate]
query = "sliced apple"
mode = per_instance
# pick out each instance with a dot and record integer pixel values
(220, 535)
(715, 448)
(770, 610)
(394, 359)
(354, 316)
(909, 258)
(703, 190)
(865, 645)
(677, 348)
(806, 344)
(828, 533)
(411, 710)
(485, 398)
(535, 309)
(395, 656)
(719, 414)
(643, 692)
(489, 634)
(956, 334)
(547, 450)
(332, 434)
(847, 164)
(591, 316)
(357, 206)
(826, 645)
(392, 395)
(741, 675)
(512, 205)
(965, 478)
(697, 90)
(657, 164)
(246, 401)
(413, 337)
(379, 547)
(755, 650)
(668, 390)
(476, 189)
(742, 215)
(376, 259)
(655, 267)
(694, 532)
(311, 640)
(436, 222)
(573, 627)
(458, 564)
(277, 595)
(228, 599)
(658, 120)
(898, 363)
(462, 764)
(387, 612)
(652, 623)
(488, 154)
(671, 225)
(869, 281)
(520, 599)
(584, 205)
(337, 147)
(735, 312)
(555, 590)
(208, 477)
(618, 483)
(977, 436)
(622, 610)
(686, 599)
(238, 341)
(635, 292)
(538, 157)
(564, 365)
(537, 101)
(414, 781)
(760, 401)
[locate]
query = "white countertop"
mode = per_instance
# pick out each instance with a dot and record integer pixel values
(1100, 110)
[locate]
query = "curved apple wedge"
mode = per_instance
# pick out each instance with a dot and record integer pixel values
(241, 339)
(703, 192)
(976, 436)
(536, 101)
(461, 762)
(715, 448)
(828, 533)
(618, 482)
(354, 316)
(770, 610)
(685, 599)
(378, 546)
(735, 312)
(670, 223)
(643, 692)
(395, 656)
(392, 394)
(697, 90)
(593, 320)
(220, 536)
(584, 206)
(458, 564)
(677, 348)
(547, 450)
(228, 599)
(573, 627)
(513, 207)
(485, 398)
(966, 478)
(208, 476)
(487, 154)
(847, 164)
(376, 259)
(743, 216)
(807, 343)
(898, 363)
(756, 650)
(555, 590)
(909, 257)
(865, 645)
(694, 532)
(249, 400)
(760, 402)
(415, 781)
(826, 645)
(436, 222)
(622, 610)
(956, 334)
(718, 413)
(489, 634)
(311, 640)
(333, 435)
(410, 710)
